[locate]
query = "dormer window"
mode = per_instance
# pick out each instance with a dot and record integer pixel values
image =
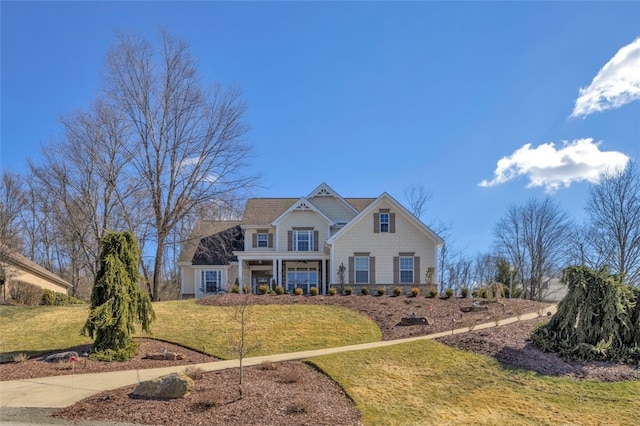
(384, 222)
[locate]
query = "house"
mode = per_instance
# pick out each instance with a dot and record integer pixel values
(306, 242)
(16, 269)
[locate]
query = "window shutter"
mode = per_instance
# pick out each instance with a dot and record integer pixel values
(270, 239)
(416, 270)
(290, 240)
(396, 269)
(351, 272)
(376, 223)
(254, 240)
(392, 222)
(372, 270)
(315, 240)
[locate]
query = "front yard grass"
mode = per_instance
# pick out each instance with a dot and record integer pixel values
(276, 328)
(426, 382)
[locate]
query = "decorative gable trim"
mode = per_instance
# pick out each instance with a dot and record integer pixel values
(302, 205)
(325, 190)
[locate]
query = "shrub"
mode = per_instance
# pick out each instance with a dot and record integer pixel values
(298, 291)
(348, 291)
(364, 291)
(332, 291)
(314, 291)
(464, 292)
(123, 354)
(381, 291)
(48, 297)
(432, 293)
(246, 289)
(449, 292)
(268, 365)
(234, 289)
(26, 294)
(397, 291)
(291, 376)
(21, 357)
(263, 289)
(196, 373)
(415, 291)
(279, 290)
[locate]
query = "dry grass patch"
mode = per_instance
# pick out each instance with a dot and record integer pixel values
(429, 383)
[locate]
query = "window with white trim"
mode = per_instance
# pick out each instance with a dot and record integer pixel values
(361, 269)
(406, 270)
(262, 239)
(305, 278)
(302, 240)
(384, 222)
(210, 281)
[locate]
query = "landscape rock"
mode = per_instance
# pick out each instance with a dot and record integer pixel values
(164, 356)
(62, 356)
(415, 321)
(171, 386)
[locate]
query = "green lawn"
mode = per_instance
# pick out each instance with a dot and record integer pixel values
(426, 383)
(276, 328)
(420, 383)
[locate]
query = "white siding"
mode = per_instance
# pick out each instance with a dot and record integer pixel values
(302, 219)
(384, 246)
(333, 208)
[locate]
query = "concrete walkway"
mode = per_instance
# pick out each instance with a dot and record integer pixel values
(62, 391)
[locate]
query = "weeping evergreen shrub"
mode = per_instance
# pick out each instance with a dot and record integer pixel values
(117, 301)
(598, 319)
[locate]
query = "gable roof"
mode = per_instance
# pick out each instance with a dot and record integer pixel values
(217, 249)
(21, 262)
(201, 230)
(399, 208)
(302, 205)
(325, 190)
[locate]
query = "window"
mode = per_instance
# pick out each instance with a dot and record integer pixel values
(406, 270)
(302, 240)
(210, 281)
(263, 239)
(384, 222)
(304, 278)
(361, 268)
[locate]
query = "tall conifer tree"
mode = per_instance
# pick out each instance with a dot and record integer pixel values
(117, 301)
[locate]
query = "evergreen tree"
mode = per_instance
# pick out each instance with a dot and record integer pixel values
(598, 319)
(117, 301)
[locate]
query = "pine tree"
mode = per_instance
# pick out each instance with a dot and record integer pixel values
(117, 301)
(598, 319)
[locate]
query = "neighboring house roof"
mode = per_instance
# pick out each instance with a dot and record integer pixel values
(399, 208)
(23, 263)
(201, 230)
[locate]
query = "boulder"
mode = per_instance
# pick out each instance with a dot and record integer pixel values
(164, 356)
(171, 386)
(62, 356)
(411, 320)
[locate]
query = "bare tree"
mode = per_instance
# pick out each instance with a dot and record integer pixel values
(417, 197)
(534, 238)
(12, 201)
(485, 268)
(614, 229)
(187, 143)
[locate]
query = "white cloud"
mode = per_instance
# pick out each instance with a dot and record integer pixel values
(616, 84)
(552, 168)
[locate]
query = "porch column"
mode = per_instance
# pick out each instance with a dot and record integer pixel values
(240, 268)
(324, 276)
(274, 271)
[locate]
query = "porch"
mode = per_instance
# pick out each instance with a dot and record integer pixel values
(288, 272)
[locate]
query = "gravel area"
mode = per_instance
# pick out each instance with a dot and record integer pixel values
(293, 393)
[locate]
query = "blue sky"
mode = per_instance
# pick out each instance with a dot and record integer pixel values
(370, 97)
